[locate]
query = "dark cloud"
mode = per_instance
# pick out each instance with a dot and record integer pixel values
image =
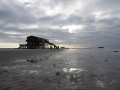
(65, 22)
(14, 13)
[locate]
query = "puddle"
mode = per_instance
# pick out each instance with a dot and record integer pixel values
(20, 60)
(100, 83)
(73, 70)
(33, 72)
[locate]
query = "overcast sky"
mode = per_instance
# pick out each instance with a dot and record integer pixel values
(84, 23)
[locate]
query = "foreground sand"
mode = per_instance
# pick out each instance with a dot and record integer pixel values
(72, 69)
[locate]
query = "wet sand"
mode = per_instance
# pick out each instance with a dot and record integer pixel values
(70, 69)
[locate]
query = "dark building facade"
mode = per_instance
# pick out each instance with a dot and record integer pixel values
(34, 42)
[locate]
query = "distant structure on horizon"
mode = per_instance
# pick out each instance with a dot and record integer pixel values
(100, 47)
(62, 47)
(34, 42)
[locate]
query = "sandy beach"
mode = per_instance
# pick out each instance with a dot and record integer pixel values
(67, 69)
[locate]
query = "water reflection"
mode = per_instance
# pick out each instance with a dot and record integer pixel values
(33, 72)
(100, 83)
(73, 69)
(67, 70)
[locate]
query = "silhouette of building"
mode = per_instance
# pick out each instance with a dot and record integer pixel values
(34, 42)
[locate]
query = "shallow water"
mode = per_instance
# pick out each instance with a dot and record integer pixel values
(70, 69)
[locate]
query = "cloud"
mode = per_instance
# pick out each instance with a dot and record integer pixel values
(65, 22)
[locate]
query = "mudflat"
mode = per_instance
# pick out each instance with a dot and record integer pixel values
(67, 69)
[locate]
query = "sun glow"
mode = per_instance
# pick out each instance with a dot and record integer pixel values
(72, 46)
(9, 45)
(73, 28)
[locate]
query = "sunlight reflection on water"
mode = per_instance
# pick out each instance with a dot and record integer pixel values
(73, 69)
